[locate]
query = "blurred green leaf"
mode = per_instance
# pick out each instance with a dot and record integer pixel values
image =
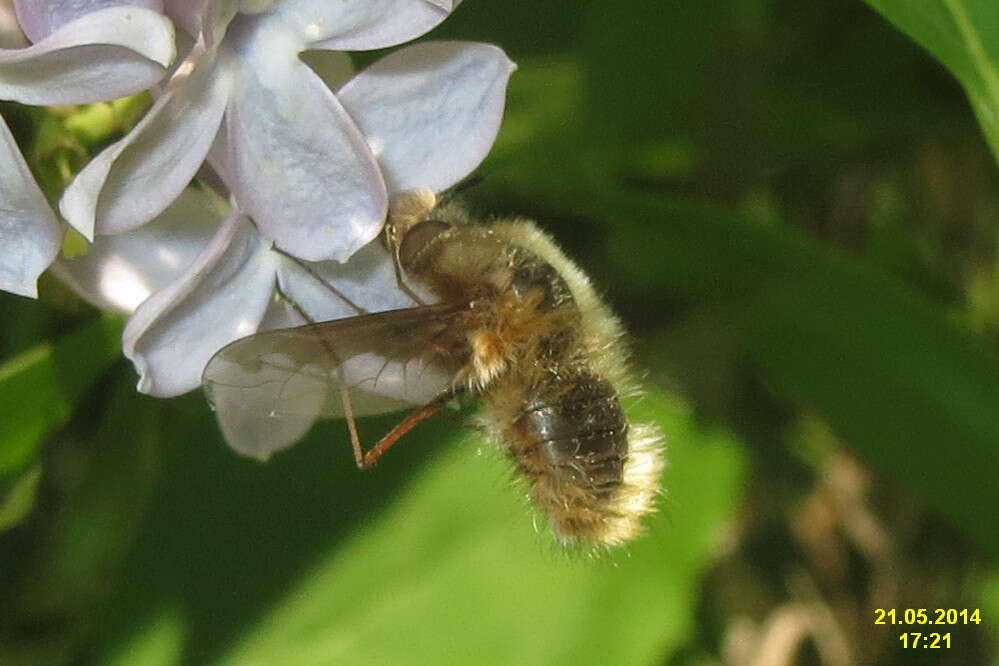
(894, 376)
(964, 36)
(989, 601)
(98, 477)
(20, 498)
(40, 387)
(301, 565)
(644, 65)
(897, 379)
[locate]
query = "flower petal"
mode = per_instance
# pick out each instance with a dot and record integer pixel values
(359, 25)
(223, 296)
(246, 418)
(11, 35)
(250, 430)
(29, 233)
(215, 19)
(367, 281)
(187, 14)
(430, 111)
(40, 18)
(119, 272)
(299, 166)
(102, 55)
(134, 180)
(446, 5)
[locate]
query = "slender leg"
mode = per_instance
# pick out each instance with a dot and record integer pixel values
(293, 303)
(348, 409)
(355, 440)
(320, 279)
(395, 434)
(401, 283)
(367, 459)
(391, 242)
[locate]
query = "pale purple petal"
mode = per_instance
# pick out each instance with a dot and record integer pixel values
(215, 19)
(251, 431)
(446, 5)
(11, 36)
(100, 56)
(430, 111)
(186, 14)
(223, 297)
(358, 25)
(29, 233)
(367, 281)
(247, 424)
(119, 272)
(135, 179)
(299, 166)
(40, 18)
(280, 314)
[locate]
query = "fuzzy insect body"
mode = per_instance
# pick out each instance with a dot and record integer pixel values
(519, 326)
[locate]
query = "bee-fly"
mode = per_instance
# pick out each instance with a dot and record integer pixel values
(517, 324)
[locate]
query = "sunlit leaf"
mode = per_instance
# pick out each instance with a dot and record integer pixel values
(964, 36)
(20, 498)
(289, 568)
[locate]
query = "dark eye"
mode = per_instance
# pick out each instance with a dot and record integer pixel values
(418, 238)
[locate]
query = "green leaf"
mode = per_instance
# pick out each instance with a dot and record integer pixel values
(988, 601)
(99, 475)
(909, 388)
(40, 387)
(649, 60)
(307, 561)
(964, 36)
(17, 503)
(912, 390)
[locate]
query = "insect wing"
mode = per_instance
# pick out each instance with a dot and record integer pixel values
(268, 389)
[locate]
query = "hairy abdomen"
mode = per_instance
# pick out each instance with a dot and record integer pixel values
(570, 438)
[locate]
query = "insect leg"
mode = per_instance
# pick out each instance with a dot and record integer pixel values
(402, 283)
(385, 443)
(320, 279)
(293, 303)
(392, 243)
(348, 409)
(355, 440)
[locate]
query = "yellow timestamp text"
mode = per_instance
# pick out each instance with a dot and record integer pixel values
(927, 616)
(931, 641)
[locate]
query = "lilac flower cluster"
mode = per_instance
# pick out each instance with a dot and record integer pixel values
(306, 159)
(102, 51)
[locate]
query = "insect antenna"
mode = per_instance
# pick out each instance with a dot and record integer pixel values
(448, 195)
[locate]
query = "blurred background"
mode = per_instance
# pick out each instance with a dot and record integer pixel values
(794, 209)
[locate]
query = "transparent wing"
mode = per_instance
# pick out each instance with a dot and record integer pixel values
(268, 389)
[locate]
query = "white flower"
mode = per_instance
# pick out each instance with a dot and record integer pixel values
(11, 35)
(432, 110)
(79, 55)
(294, 158)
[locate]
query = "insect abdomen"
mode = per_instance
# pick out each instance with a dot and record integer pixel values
(581, 434)
(576, 440)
